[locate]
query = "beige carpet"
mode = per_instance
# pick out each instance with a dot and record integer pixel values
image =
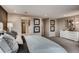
(69, 45)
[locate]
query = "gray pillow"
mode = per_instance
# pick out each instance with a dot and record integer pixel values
(1, 51)
(11, 42)
(4, 46)
(12, 33)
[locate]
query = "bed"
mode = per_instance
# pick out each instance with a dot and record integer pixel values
(39, 44)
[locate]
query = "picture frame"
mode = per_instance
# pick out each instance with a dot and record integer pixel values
(36, 29)
(52, 28)
(52, 22)
(52, 25)
(71, 25)
(36, 21)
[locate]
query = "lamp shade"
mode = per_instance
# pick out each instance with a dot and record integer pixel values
(1, 26)
(10, 25)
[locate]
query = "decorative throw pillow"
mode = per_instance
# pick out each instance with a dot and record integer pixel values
(12, 34)
(1, 51)
(4, 46)
(11, 42)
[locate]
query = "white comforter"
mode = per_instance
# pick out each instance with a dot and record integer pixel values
(39, 44)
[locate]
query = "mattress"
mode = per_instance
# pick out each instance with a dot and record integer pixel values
(39, 44)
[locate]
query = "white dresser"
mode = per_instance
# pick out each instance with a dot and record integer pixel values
(72, 35)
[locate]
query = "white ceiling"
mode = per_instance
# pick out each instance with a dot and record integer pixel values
(52, 11)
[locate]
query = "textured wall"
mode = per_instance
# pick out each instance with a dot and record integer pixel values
(3, 17)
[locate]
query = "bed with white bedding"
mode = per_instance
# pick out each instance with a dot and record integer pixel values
(39, 44)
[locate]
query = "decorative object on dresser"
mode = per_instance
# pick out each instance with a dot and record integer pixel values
(52, 25)
(36, 29)
(36, 21)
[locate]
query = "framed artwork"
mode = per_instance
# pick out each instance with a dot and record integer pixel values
(71, 25)
(52, 22)
(52, 25)
(36, 21)
(52, 28)
(36, 29)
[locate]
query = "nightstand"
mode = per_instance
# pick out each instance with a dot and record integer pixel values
(23, 47)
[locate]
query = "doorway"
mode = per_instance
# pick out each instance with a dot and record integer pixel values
(23, 26)
(46, 27)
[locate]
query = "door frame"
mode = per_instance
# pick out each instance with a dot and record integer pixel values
(23, 30)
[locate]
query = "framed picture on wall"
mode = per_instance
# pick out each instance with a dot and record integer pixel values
(36, 29)
(36, 21)
(52, 22)
(52, 28)
(52, 25)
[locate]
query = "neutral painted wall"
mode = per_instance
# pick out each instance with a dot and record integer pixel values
(77, 23)
(60, 26)
(16, 20)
